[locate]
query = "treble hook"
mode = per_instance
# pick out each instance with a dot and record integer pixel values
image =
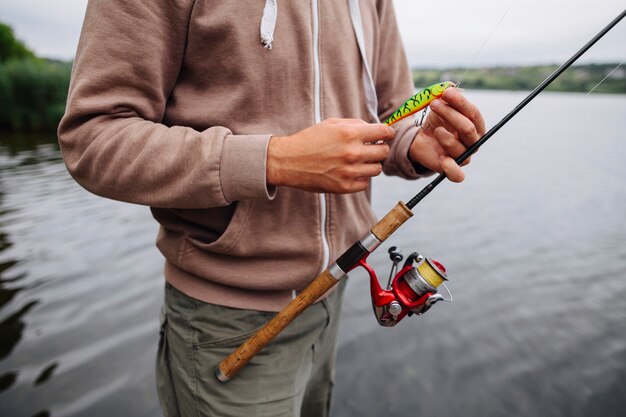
(418, 124)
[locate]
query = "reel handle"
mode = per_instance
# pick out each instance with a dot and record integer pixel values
(395, 255)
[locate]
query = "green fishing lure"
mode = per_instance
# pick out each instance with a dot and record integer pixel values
(419, 101)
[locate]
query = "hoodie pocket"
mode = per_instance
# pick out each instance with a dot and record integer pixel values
(232, 234)
(269, 245)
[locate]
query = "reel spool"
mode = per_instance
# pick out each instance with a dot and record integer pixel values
(412, 290)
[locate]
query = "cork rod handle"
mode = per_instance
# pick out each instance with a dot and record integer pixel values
(232, 364)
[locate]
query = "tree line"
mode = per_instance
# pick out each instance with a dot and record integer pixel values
(33, 90)
(579, 78)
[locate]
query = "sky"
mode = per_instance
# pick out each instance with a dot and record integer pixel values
(436, 33)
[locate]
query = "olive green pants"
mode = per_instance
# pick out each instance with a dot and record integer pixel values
(292, 376)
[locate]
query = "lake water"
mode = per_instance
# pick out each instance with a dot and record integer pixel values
(534, 242)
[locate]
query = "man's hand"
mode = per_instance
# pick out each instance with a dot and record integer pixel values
(451, 127)
(335, 156)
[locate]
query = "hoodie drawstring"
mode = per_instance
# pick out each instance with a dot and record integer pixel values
(368, 81)
(268, 25)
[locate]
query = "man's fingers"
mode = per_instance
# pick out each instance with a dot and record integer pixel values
(374, 132)
(449, 142)
(363, 171)
(361, 130)
(337, 156)
(370, 170)
(357, 177)
(335, 121)
(453, 97)
(451, 169)
(463, 126)
(450, 129)
(375, 152)
(359, 184)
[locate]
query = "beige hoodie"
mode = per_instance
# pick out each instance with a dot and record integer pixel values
(172, 104)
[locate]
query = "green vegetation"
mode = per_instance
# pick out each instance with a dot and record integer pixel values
(580, 78)
(10, 48)
(32, 90)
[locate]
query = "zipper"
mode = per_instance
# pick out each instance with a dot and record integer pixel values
(318, 118)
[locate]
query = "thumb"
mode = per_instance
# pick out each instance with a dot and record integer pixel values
(374, 132)
(452, 170)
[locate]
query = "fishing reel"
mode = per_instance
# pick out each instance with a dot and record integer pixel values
(412, 290)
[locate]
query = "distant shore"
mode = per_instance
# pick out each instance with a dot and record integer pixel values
(578, 78)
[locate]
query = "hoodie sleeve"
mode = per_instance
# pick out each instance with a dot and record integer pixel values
(112, 137)
(394, 85)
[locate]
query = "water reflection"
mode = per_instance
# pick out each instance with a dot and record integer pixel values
(13, 281)
(8, 292)
(22, 145)
(7, 380)
(12, 329)
(78, 310)
(46, 374)
(12, 324)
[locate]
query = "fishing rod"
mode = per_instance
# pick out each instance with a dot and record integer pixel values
(413, 290)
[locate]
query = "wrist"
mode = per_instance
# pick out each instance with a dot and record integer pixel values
(273, 173)
(413, 157)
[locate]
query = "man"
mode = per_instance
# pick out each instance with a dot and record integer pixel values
(255, 156)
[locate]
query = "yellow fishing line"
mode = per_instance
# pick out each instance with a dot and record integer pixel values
(430, 274)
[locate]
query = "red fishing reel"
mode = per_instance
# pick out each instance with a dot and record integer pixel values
(412, 290)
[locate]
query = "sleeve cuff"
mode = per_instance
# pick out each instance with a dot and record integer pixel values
(243, 168)
(401, 164)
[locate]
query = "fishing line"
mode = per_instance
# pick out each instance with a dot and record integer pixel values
(419, 123)
(467, 68)
(607, 76)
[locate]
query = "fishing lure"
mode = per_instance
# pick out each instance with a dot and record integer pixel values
(419, 101)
